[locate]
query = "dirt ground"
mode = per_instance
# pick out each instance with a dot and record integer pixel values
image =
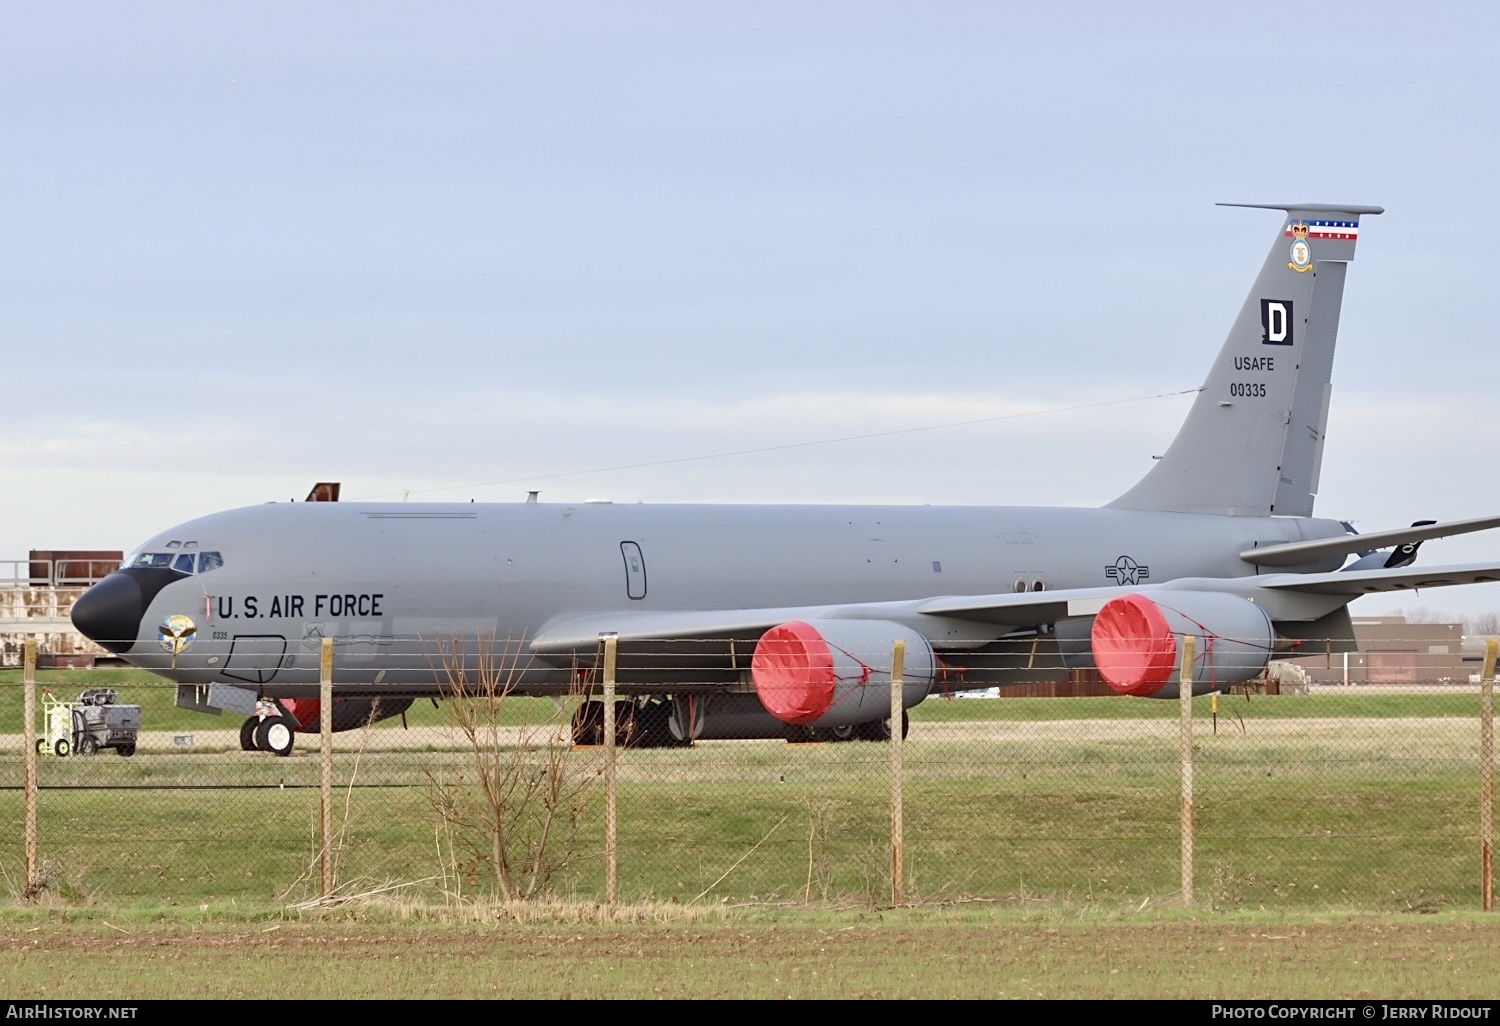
(1317, 733)
(877, 954)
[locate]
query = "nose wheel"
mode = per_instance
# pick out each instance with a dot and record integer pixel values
(276, 735)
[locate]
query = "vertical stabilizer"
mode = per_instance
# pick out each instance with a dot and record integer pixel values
(1252, 444)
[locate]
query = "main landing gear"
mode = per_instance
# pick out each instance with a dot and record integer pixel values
(648, 722)
(642, 724)
(268, 730)
(875, 730)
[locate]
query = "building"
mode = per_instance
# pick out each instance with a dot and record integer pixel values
(1392, 651)
(36, 596)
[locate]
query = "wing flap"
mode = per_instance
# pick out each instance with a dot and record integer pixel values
(581, 632)
(1028, 609)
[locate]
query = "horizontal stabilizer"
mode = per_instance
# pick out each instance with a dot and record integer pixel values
(1353, 583)
(1310, 208)
(1296, 553)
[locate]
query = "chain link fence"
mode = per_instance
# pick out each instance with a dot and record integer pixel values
(1333, 797)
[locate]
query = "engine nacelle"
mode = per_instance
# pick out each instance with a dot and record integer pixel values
(1137, 641)
(837, 673)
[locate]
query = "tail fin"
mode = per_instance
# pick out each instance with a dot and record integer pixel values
(1252, 444)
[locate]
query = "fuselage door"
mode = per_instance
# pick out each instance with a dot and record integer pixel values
(635, 570)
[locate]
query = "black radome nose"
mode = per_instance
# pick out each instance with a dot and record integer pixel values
(110, 612)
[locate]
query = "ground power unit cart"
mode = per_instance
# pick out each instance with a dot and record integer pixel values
(93, 722)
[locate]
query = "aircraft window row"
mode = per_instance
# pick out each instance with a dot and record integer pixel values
(185, 562)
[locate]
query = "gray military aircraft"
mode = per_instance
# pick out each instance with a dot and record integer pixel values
(779, 621)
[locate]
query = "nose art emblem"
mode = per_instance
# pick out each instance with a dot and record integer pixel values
(175, 635)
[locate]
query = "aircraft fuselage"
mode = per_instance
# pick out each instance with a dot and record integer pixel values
(394, 584)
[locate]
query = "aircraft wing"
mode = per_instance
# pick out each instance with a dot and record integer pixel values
(726, 637)
(694, 639)
(699, 645)
(996, 613)
(582, 632)
(1024, 609)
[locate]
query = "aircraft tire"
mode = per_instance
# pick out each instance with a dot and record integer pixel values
(846, 733)
(276, 735)
(247, 734)
(880, 730)
(627, 731)
(588, 724)
(654, 726)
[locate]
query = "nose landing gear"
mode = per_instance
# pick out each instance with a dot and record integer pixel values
(269, 730)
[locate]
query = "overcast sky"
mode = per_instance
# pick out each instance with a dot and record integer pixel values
(459, 251)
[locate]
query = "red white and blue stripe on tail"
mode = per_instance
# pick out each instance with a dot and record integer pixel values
(1327, 229)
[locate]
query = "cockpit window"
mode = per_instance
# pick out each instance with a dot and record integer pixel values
(152, 559)
(183, 562)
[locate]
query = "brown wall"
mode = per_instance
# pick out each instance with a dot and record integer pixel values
(72, 566)
(1392, 651)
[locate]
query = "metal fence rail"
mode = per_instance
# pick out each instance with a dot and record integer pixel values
(68, 572)
(1364, 797)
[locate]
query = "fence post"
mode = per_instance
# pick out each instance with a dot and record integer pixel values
(28, 741)
(1185, 758)
(611, 654)
(898, 848)
(1487, 778)
(325, 757)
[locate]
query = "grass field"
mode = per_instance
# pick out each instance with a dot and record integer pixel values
(1335, 833)
(1328, 801)
(1405, 846)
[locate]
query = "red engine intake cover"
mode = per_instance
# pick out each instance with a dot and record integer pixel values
(793, 672)
(1134, 648)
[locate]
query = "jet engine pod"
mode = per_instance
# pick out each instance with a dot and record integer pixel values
(1137, 641)
(837, 673)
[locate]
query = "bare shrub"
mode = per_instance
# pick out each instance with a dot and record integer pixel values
(1483, 623)
(515, 809)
